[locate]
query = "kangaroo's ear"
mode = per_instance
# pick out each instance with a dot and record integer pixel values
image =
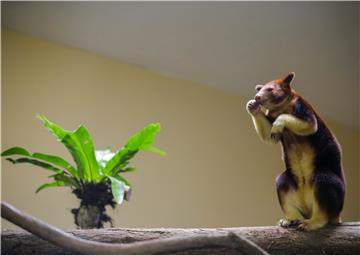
(258, 87)
(288, 79)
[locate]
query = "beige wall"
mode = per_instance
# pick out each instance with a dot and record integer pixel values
(216, 174)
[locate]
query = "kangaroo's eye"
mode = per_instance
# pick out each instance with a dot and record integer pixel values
(258, 87)
(269, 89)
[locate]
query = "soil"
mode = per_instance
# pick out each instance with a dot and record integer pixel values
(94, 197)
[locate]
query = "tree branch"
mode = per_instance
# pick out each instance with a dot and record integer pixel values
(341, 239)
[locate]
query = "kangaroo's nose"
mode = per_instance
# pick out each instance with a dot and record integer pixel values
(257, 98)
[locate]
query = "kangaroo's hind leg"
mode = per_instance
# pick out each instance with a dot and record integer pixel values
(329, 192)
(286, 190)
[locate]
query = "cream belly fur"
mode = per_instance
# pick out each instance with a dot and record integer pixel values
(301, 160)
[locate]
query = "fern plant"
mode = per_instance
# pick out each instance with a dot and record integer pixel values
(97, 177)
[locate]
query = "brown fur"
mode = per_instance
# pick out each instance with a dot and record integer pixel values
(311, 190)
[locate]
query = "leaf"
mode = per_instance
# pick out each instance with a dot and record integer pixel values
(35, 162)
(117, 189)
(140, 141)
(128, 169)
(87, 146)
(58, 131)
(158, 151)
(15, 151)
(80, 146)
(78, 156)
(67, 180)
(122, 179)
(103, 156)
(49, 185)
(144, 139)
(119, 161)
(57, 161)
(54, 160)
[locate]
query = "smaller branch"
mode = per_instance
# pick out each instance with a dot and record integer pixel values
(152, 247)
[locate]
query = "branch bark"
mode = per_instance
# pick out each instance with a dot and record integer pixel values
(70, 242)
(341, 239)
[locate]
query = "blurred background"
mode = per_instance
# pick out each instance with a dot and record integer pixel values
(117, 66)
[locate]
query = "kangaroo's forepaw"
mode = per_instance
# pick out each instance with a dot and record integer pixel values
(253, 107)
(289, 223)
